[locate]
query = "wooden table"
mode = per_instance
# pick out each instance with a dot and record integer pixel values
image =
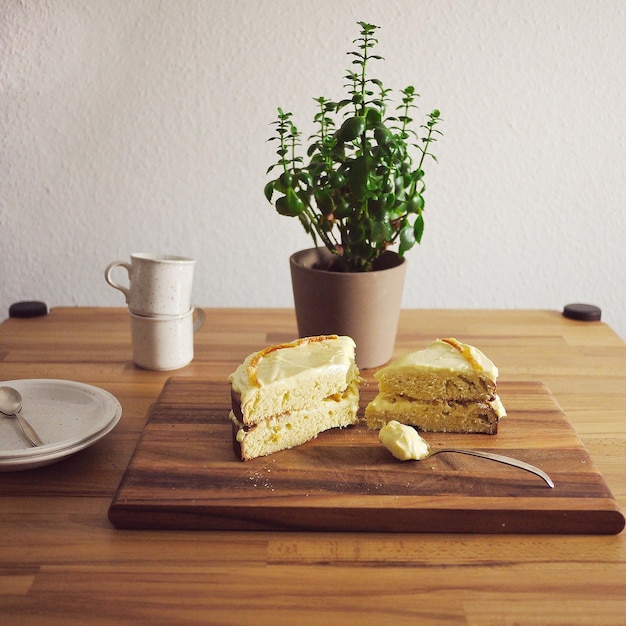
(62, 562)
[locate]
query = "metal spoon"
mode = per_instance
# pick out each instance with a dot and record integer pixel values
(507, 460)
(11, 405)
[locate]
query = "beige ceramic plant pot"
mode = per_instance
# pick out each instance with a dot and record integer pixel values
(362, 305)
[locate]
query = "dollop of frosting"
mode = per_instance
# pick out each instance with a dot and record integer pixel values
(403, 441)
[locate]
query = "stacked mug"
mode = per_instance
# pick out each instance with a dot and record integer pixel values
(163, 319)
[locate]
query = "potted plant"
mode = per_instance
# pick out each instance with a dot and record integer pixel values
(358, 193)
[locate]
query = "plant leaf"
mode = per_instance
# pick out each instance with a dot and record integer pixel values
(407, 238)
(418, 228)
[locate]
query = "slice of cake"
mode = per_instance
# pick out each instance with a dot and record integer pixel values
(448, 387)
(285, 395)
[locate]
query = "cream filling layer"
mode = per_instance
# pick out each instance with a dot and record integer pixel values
(387, 403)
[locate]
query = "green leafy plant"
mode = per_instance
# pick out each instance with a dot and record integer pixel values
(361, 188)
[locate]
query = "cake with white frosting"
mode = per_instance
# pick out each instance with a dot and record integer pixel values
(448, 387)
(286, 394)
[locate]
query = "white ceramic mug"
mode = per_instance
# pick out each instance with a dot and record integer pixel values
(158, 284)
(164, 342)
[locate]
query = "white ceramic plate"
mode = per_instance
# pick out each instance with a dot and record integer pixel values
(68, 416)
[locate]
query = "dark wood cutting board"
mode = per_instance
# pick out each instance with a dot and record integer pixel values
(185, 475)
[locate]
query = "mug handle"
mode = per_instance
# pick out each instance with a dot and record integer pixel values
(199, 317)
(107, 276)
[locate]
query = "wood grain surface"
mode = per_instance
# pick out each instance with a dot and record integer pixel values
(63, 562)
(184, 475)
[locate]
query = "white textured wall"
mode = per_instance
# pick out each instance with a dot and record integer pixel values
(135, 125)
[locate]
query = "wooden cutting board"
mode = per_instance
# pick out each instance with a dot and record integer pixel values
(185, 475)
